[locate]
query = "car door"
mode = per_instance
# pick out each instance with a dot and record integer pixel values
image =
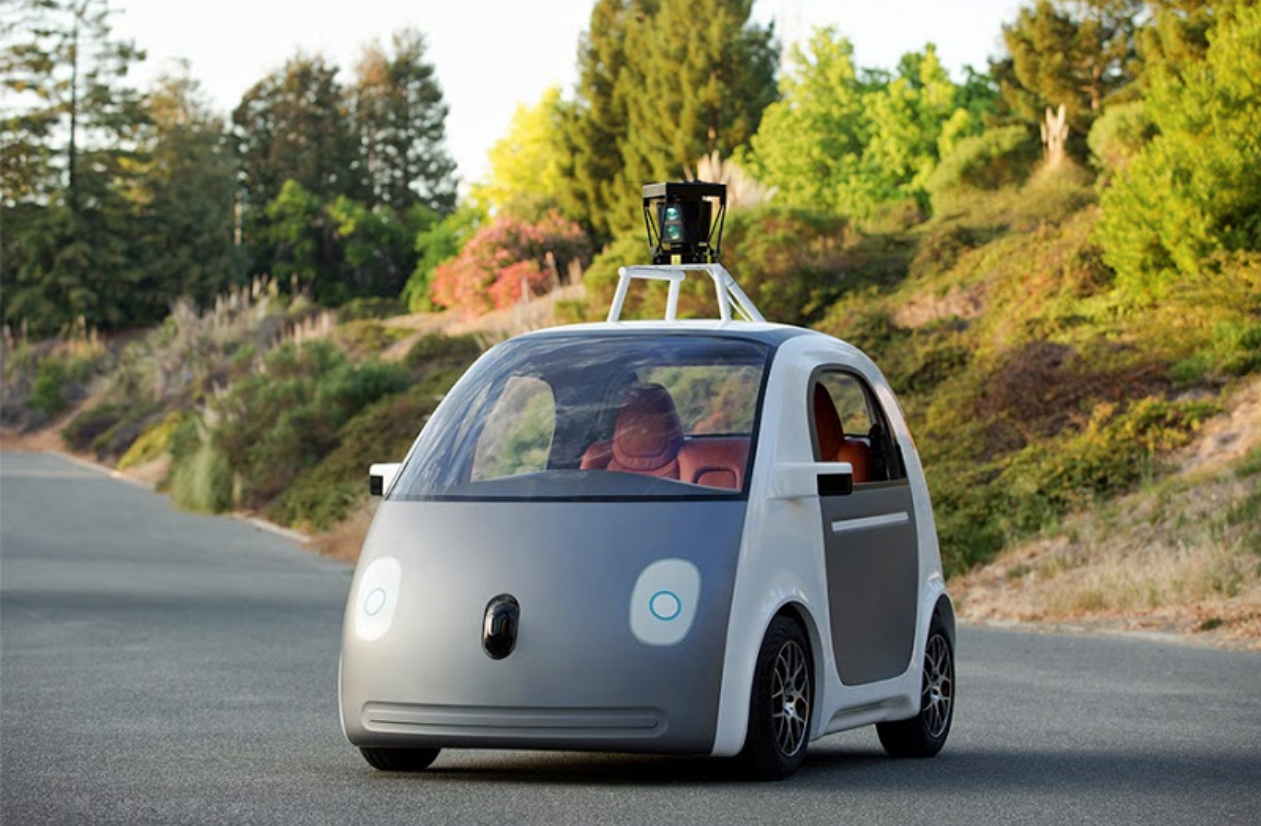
(869, 531)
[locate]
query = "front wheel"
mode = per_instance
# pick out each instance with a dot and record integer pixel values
(924, 734)
(779, 706)
(399, 760)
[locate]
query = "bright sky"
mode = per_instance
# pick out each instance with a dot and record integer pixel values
(492, 55)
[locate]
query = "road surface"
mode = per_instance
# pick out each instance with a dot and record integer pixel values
(162, 667)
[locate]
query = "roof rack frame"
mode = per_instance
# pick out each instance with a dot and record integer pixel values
(730, 296)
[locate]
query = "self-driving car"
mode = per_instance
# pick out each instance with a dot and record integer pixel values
(707, 537)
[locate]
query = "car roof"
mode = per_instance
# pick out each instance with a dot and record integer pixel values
(766, 333)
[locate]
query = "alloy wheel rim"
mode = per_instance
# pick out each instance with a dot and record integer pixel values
(790, 698)
(938, 691)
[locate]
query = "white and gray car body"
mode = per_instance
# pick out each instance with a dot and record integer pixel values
(640, 602)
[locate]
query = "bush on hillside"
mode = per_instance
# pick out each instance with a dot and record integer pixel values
(992, 160)
(1118, 135)
(328, 492)
(285, 418)
(490, 270)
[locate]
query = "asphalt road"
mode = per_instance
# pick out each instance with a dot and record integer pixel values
(161, 667)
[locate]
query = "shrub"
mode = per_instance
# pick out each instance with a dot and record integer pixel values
(89, 425)
(488, 271)
(285, 418)
(434, 352)
(153, 442)
(1194, 191)
(200, 479)
(1114, 452)
(994, 159)
(328, 492)
(46, 390)
(1118, 135)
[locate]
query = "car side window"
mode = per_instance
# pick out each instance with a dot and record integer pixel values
(848, 425)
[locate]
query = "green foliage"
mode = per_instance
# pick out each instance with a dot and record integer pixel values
(526, 164)
(325, 494)
(295, 125)
(435, 246)
(689, 90)
(400, 117)
(1118, 135)
(791, 261)
(285, 418)
(328, 492)
(439, 352)
(360, 309)
(340, 249)
(994, 159)
(367, 338)
(657, 92)
(200, 478)
(185, 223)
(594, 126)
(1114, 452)
(89, 425)
(846, 141)
(47, 394)
(1079, 54)
(1194, 192)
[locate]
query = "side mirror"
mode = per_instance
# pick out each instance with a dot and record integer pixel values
(381, 477)
(800, 480)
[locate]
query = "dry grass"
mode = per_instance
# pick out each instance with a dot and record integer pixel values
(1182, 556)
(491, 328)
(344, 541)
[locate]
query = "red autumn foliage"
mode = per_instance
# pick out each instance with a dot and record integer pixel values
(503, 256)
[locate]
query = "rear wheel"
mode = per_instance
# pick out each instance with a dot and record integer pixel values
(399, 760)
(779, 707)
(924, 734)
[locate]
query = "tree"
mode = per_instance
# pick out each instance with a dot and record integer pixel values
(663, 84)
(1192, 197)
(340, 249)
(843, 141)
(811, 141)
(400, 116)
(294, 125)
(187, 195)
(69, 157)
(1080, 53)
(697, 79)
(594, 126)
(526, 164)
(914, 119)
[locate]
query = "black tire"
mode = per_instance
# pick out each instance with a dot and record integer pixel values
(780, 703)
(400, 760)
(924, 734)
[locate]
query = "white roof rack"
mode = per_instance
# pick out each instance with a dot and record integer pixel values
(729, 293)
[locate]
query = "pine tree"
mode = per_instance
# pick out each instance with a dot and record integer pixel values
(69, 158)
(1079, 53)
(400, 116)
(697, 79)
(188, 200)
(595, 125)
(294, 125)
(663, 84)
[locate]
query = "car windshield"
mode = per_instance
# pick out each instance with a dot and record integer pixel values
(595, 417)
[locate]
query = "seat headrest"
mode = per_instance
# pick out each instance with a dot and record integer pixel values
(648, 432)
(827, 424)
